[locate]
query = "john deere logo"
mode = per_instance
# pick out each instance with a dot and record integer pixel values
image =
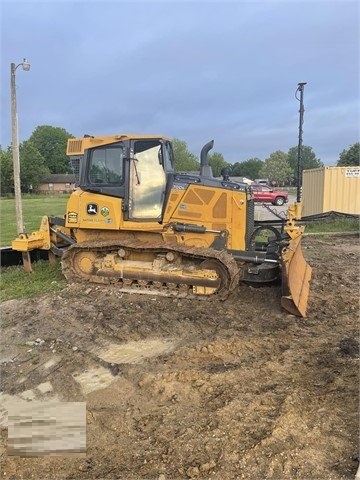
(92, 209)
(104, 211)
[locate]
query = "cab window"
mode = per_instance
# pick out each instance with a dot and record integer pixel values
(106, 166)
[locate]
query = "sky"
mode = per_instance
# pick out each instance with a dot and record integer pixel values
(194, 70)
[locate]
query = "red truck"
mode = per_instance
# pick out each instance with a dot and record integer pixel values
(266, 194)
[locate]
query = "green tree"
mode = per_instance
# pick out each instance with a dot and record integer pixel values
(185, 161)
(32, 166)
(277, 168)
(308, 159)
(350, 157)
(249, 168)
(217, 163)
(6, 171)
(51, 143)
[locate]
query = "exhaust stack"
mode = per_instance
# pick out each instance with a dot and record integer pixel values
(205, 168)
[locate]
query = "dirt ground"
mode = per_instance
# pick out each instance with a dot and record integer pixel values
(178, 389)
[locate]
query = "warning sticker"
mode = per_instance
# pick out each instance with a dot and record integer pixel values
(72, 217)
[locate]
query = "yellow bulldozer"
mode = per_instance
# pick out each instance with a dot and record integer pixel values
(135, 222)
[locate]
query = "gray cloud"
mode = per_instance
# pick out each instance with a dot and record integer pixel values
(191, 70)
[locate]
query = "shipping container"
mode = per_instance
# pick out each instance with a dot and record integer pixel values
(331, 189)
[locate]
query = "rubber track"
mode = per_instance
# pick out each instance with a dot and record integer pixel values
(201, 253)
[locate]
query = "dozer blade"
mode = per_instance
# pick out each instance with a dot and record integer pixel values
(296, 275)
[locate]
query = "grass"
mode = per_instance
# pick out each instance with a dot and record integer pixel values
(333, 225)
(16, 283)
(34, 208)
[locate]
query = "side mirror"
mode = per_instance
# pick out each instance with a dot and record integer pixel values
(160, 157)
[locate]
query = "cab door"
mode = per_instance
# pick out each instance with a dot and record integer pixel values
(147, 181)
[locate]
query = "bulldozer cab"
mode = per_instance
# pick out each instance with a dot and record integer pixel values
(137, 170)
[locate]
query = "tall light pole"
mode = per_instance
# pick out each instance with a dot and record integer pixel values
(15, 146)
(300, 89)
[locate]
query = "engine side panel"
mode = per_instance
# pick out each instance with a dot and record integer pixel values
(216, 208)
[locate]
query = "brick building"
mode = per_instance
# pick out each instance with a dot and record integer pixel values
(57, 183)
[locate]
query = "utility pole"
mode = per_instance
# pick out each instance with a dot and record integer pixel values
(15, 146)
(299, 152)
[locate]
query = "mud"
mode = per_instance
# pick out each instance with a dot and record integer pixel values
(179, 389)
